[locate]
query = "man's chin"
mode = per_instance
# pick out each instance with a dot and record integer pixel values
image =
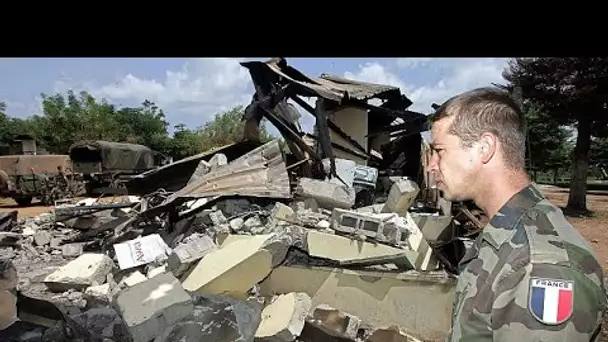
(454, 197)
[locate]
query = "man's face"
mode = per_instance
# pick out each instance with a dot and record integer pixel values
(455, 167)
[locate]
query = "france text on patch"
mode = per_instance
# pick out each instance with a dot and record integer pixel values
(551, 300)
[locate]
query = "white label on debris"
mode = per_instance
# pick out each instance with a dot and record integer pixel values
(140, 251)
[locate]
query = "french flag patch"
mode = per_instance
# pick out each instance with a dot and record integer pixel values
(551, 300)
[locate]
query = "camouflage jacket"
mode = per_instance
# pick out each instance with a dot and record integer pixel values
(530, 276)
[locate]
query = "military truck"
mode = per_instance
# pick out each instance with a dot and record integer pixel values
(105, 165)
(26, 174)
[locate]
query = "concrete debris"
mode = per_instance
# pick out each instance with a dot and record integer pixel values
(336, 322)
(190, 250)
(233, 269)
(349, 256)
(150, 307)
(328, 195)
(86, 270)
(283, 319)
(401, 197)
(215, 318)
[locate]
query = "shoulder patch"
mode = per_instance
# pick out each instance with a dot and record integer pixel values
(551, 300)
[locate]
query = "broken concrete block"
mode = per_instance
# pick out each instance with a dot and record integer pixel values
(414, 301)
(304, 204)
(150, 307)
(323, 224)
(56, 242)
(386, 228)
(133, 279)
(28, 231)
(327, 195)
(401, 197)
(42, 238)
(87, 270)
(336, 322)
(103, 322)
(8, 309)
(281, 214)
(215, 318)
(8, 275)
(253, 222)
(215, 218)
(232, 269)
(98, 294)
(156, 271)
(9, 239)
(237, 224)
(72, 250)
(427, 260)
(349, 251)
(188, 252)
(283, 319)
(141, 251)
(371, 209)
(434, 227)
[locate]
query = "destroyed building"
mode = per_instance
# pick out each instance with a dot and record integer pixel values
(339, 237)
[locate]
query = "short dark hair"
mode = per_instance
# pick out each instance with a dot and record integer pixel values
(488, 110)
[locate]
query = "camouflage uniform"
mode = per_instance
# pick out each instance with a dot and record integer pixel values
(530, 276)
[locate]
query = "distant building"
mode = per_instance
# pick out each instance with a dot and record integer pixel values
(24, 144)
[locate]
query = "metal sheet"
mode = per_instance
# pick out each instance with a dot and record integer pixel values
(259, 173)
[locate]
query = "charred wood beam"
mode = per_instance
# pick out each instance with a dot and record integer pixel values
(344, 149)
(264, 83)
(331, 125)
(406, 115)
(324, 138)
(288, 132)
(271, 100)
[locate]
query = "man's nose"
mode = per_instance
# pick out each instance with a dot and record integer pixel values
(432, 166)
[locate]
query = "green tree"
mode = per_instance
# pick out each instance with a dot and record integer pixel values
(572, 91)
(548, 146)
(9, 128)
(226, 128)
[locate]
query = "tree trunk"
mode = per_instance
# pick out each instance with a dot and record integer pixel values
(577, 200)
(535, 176)
(555, 176)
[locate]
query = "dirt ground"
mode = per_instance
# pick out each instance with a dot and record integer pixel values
(594, 227)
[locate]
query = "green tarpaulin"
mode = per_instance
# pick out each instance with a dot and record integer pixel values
(113, 156)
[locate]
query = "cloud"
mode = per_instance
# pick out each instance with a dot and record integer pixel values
(452, 76)
(192, 95)
(413, 62)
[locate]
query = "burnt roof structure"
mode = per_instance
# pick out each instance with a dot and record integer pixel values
(275, 82)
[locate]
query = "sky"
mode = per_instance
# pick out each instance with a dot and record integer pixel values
(192, 90)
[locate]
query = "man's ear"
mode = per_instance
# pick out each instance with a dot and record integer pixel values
(488, 145)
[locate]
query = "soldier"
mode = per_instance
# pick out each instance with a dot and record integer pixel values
(530, 276)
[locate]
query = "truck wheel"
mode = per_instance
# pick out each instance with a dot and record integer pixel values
(23, 201)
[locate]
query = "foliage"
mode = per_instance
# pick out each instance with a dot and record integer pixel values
(71, 117)
(572, 91)
(549, 146)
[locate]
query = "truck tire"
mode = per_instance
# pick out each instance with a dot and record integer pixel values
(3, 180)
(23, 201)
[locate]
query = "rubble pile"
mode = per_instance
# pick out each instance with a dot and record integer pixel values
(241, 253)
